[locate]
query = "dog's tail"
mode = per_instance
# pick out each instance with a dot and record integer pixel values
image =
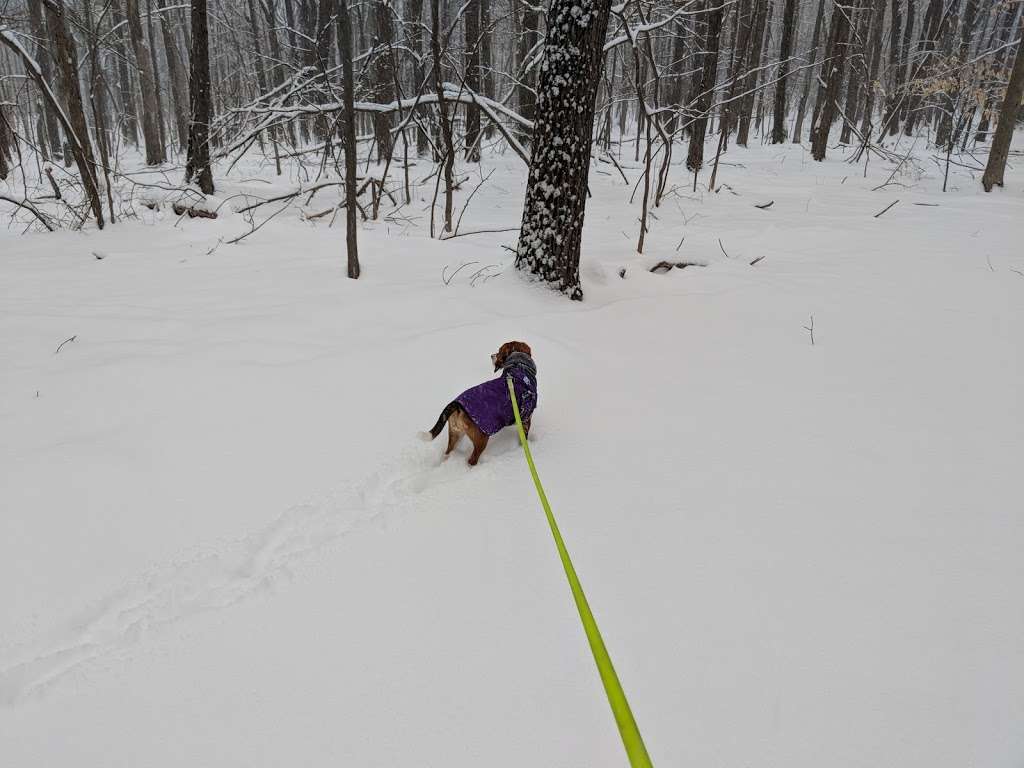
(449, 409)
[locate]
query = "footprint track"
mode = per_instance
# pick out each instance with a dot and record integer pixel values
(214, 577)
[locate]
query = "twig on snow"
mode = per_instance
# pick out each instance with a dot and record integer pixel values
(65, 342)
(448, 280)
(890, 205)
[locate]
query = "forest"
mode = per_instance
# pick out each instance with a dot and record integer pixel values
(96, 95)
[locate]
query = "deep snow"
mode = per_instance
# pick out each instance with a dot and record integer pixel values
(222, 545)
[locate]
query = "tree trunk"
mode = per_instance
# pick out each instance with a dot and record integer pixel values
(933, 20)
(471, 29)
(6, 142)
(801, 110)
(856, 53)
(51, 123)
(412, 18)
(383, 81)
(486, 57)
(178, 86)
(705, 94)
(750, 77)
(446, 127)
(674, 97)
(875, 46)
(1007, 120)
(198, 167)
(66, 59)
(556, 191)
(348, 129)
(526, 99)
(147, 82)
(891, 111)
(322, 61)
(129, 119)
(785, 51)
(832, 68)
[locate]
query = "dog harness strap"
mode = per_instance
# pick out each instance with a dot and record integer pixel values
(628, 730)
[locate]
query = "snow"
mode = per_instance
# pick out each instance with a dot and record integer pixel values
(224, 545)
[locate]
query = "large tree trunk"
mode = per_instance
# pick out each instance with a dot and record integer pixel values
(556, 192)
(832, 70)
(705, 94)
(785, 51)
(348, 132)
(147, 81)
(1007, 120)
(198, 167)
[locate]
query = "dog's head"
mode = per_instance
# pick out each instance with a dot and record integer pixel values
(506, 349)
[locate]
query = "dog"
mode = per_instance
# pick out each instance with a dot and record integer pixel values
(486, 409)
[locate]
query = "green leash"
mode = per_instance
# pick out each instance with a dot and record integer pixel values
(631, 738)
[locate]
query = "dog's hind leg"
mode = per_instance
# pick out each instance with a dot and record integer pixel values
(479, 443)
(455, 433)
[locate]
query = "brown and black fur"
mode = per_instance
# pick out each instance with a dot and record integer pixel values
(458, 421)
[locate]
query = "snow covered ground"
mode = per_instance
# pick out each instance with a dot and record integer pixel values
(222, 545)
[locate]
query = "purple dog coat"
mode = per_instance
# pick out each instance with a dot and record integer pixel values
(489, 405)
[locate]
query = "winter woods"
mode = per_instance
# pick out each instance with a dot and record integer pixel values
(101, 101)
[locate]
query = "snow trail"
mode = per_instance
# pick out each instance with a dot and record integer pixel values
(215, 576)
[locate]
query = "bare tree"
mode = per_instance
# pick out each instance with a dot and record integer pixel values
(1000, 151)
(809, 72)
(201, 113)
(155, 153)
(446, 127)
(832, 71)
(706, 88)
(349, 134)
(556, 191)
(471, 28)
(785, 51)
(383, 82)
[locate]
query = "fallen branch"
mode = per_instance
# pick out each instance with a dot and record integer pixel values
(30, 208)
(482, 232)
(890, 205)
(666, 266)
(766, 206)
(180, 209)
(65, 342)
